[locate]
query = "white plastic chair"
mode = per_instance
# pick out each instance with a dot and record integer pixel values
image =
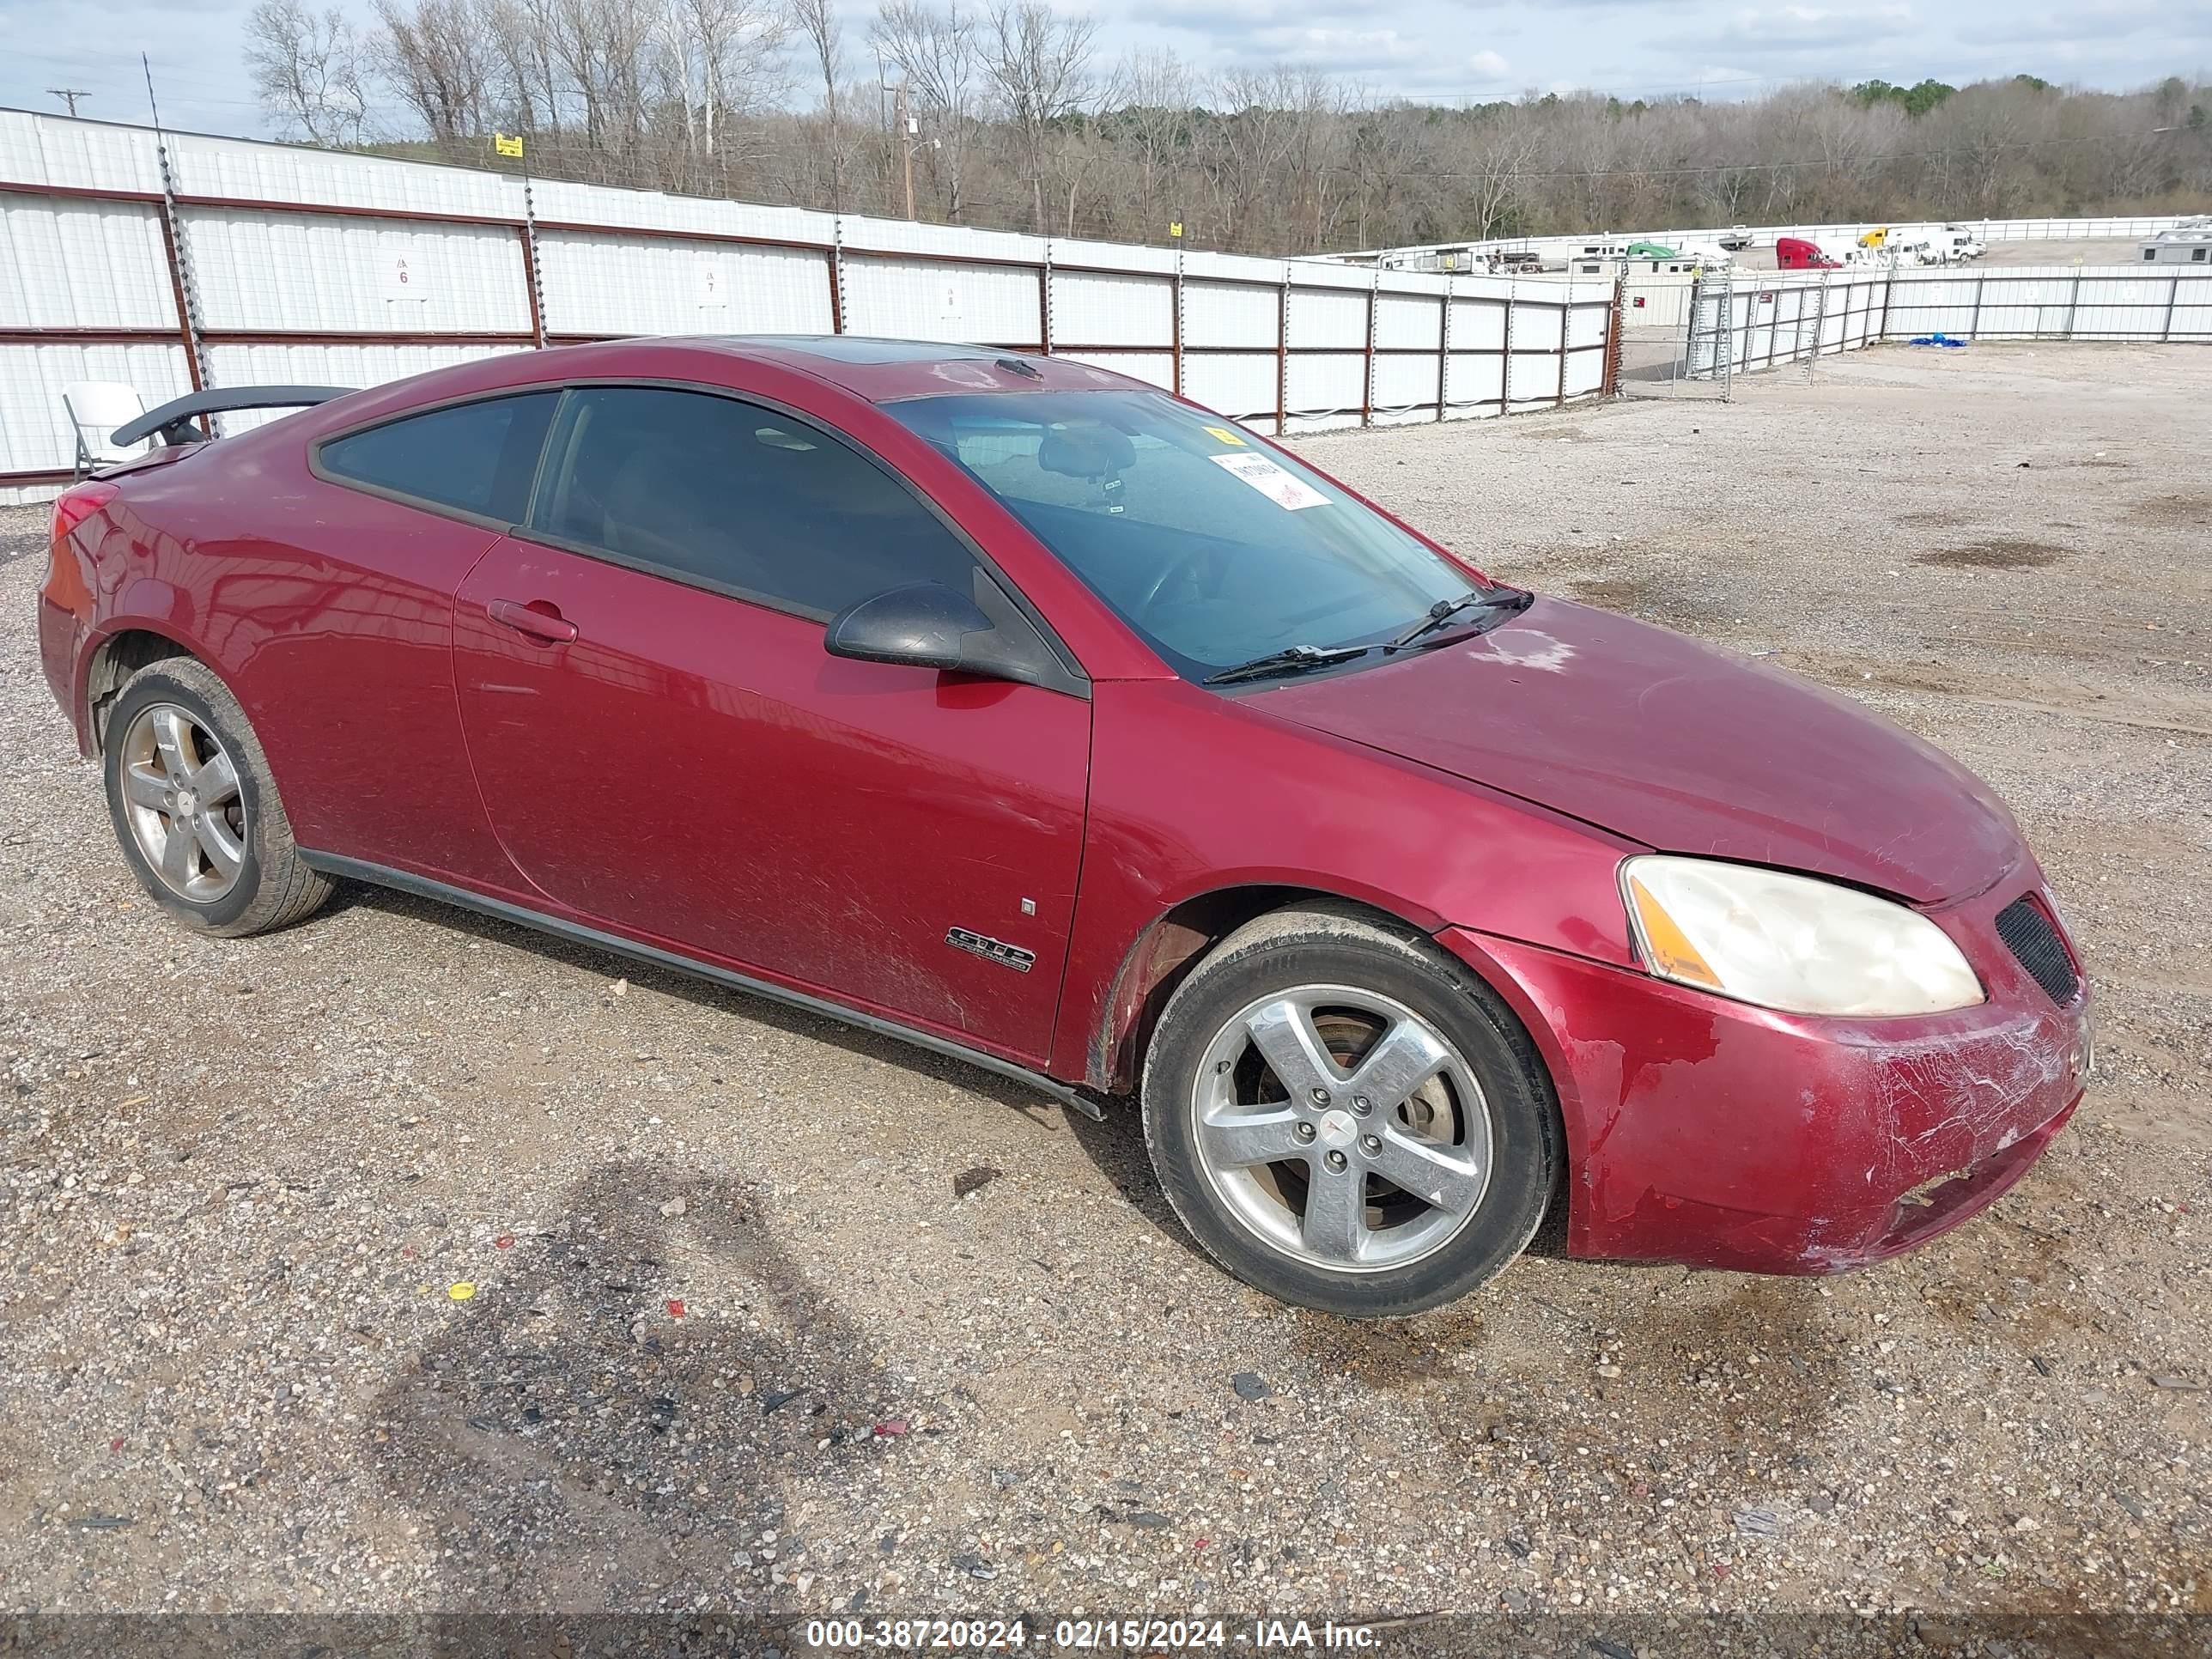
(96, 408)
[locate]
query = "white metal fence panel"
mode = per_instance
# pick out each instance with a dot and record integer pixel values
(1155, 367)
(1327, 320)
(1539, 324)
(1478, 324)
(619, 284)
(2134, 307)
(1474, 385)
(1239, 385)
(910, 299)
(322, 266)
(38, 150)
(272, 364)
(1656, 302)
(305, 274)
(2191, 322)
(1533, 377)
(1326, 390)
(34, 436)
(1587, 315)
(1218, 314)
(1406, 388)
(1772, 321)
(1406, 322)
(69, 263)
(1112, 309)
(241, 169)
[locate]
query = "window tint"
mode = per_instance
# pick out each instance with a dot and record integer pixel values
(708, 487)
(477, 456)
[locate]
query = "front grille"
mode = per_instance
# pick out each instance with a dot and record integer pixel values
(2032, 936)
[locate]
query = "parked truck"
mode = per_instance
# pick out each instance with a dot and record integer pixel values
(1802, 253)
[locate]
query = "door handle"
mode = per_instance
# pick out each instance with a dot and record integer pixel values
(541, 619)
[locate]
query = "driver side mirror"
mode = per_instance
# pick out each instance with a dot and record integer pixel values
(928, 625)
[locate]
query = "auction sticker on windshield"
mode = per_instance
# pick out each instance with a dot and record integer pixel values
(1278, 485)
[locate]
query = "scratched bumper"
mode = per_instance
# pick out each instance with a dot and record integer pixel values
(1704, 1132)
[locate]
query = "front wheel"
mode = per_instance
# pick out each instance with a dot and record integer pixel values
(1347, 1119)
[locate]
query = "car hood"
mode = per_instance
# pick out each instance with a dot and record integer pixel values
(1655, 736)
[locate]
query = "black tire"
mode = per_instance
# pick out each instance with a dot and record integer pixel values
(273, 887)
(1347, 947)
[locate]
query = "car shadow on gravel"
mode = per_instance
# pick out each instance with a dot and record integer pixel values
(1115, 1144)
(619, 1421)
(704, 992)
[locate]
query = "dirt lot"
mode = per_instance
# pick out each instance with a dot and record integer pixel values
(246, 1181)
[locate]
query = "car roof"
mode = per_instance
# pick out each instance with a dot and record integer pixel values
(888, 370)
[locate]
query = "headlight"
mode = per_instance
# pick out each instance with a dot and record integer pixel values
(1789, 942)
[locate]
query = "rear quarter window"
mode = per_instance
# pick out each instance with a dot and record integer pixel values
(476, 458)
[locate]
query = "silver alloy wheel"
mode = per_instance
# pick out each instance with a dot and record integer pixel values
(181, 796)
(1341, 1129)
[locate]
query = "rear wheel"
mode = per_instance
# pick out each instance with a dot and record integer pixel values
(1347, 1119)
(195, 808)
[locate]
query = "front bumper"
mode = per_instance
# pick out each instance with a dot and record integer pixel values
(1709, 1132)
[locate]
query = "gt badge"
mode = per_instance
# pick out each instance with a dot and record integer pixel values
(991, 950)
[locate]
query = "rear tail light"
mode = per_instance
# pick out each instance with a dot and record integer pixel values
(67, 576)
(79, 503)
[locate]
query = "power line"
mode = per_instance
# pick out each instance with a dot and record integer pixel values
(68, 95)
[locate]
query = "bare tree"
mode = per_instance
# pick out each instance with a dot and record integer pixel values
(1158, 121)
(1012, 125)
(1492, 158)
(819, 25)
(1039, 62)
(525, 91)
(719, 63)
(937, 53)
(439, 63)
(306, 69)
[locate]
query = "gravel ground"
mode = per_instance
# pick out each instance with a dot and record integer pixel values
(768, 1314)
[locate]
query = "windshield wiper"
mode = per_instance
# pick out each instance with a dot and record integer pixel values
(1482, 598)
(1292, 659)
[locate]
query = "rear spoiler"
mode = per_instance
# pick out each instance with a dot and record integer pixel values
(173, 422)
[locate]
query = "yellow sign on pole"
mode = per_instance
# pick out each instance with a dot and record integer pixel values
(503, 145)
(1175, 229)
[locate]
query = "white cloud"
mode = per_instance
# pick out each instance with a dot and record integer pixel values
(1799, 28)
(1489, 64)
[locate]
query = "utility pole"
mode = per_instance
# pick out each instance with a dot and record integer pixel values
(68, 95)
(906, 134)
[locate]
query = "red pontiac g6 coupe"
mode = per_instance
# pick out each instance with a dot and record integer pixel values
(1035, 716)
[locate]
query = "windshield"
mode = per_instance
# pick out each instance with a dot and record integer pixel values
(1215, 551)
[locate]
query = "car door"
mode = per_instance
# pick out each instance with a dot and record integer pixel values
(341, 586)
(665, 747)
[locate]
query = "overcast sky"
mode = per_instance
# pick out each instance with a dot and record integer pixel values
(1442, 49)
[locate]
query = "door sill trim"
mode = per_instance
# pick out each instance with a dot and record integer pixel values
(378, 875)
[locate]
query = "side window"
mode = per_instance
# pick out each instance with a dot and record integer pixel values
(738, 495)
(478, 458)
